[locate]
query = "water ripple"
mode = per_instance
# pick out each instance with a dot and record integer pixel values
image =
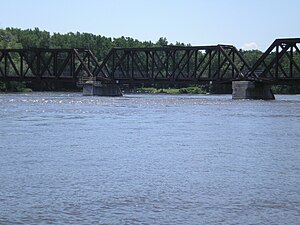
(148, 159)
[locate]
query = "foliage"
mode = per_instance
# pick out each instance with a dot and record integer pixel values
(8, 40)
(15, 86)
(251, 56)
(192, 90)
(285, 89)
(2, 86)
(187, 90)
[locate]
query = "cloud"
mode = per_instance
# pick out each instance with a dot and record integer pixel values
(249, 46)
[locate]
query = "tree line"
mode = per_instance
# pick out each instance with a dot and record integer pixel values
(100, 45)
(36, 38)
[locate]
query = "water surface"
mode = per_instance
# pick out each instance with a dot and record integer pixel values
(148, 159)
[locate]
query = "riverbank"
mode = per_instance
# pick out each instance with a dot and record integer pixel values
(14, 86)
(152, 90)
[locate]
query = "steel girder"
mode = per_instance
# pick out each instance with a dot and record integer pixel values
(280, 63)
(174, 64)
(47, 64)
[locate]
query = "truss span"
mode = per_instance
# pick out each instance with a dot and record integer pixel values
(174, 64)
(280, 64)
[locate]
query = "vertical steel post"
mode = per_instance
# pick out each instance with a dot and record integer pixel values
(195, 66)
(219, 61)
(132, 65)
(72, 65)
(188, 64)
(147, 63)
(277, 62)
(209, 64)
(291, 62)
(5, 64)
(38, 63)
(174, 64)
(167, 63)
(232, 67)
(111, 72)
(55, 64)
(152, 65)
(21, 65)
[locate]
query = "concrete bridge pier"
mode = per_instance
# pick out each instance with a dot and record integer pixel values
(251, 90)
(97, 88)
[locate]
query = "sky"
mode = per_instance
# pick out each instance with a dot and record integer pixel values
(247, 24)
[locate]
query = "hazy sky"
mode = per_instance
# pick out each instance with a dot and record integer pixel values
(243, 23)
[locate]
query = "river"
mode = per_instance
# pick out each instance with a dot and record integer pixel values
(148, 159)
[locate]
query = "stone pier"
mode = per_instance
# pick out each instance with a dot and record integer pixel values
(251, 90)
(96, 88)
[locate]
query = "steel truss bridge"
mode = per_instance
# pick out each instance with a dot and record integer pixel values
(279, 64)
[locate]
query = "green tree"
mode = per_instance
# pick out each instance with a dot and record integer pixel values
(31, 38)
(162, 41)
(8, 40)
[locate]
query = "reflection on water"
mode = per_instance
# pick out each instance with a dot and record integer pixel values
(148, 159)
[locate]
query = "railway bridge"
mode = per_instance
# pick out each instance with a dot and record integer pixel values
(279, 64)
